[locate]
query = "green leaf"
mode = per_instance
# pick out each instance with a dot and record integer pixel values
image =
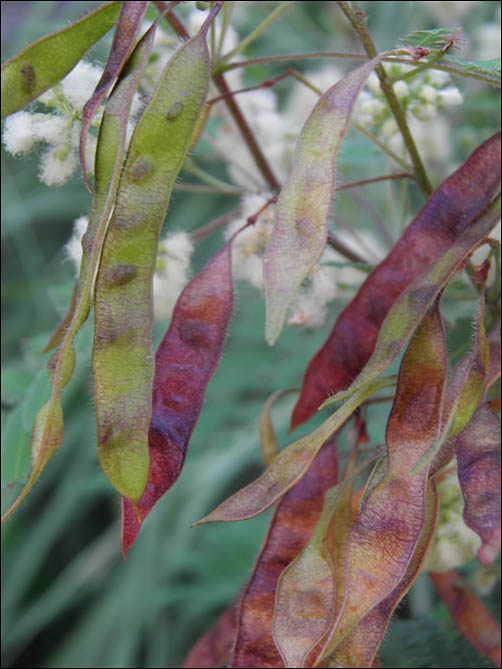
(490, 69)
(49, 59)
(433, 39)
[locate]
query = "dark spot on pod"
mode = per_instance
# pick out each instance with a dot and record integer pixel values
(174, 111)
(28, 77)
(122, 274)
(108, 334)
(193, 333)
(304, 227)
(139, 169)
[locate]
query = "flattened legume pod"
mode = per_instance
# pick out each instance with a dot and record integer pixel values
(47, 432)
(128, 25)
(301, 222)
(123, 357)
(184, 364)
(49, 59)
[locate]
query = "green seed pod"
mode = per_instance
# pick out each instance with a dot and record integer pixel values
(49, 59)
(123, 355)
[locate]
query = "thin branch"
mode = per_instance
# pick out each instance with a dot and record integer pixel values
(313, 55)
(375, 215)
(271, 18)
(321, 55)
(247, 133)
(214, 225)
(233, 108)
(420, 68)
(173, 20)
(191, 168)
(204, 188)
(381, 145)
(339, 246)
(363, 182)
(356, 19)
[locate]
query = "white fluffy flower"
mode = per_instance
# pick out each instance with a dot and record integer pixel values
(401, 89)
(49, 128)
(424, 112)
(428, 93)
(79, 84)
(249, 245)
(485, 578)
(60, 128)
(57, 165)
(310, 305)
(450, 96)
(73, 247)
(172, 272)
(18, 135)
(437, 78)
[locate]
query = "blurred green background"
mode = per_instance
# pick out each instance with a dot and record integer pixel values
(68, 599)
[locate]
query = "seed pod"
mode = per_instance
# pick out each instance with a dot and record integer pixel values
(48, 429)
(388, 528)
(185, 362)
(301, 223)
(128, 25)
(123, 358)
(446, 215)
(49, 59)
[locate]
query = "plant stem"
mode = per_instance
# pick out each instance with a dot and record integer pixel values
(315, 55)
(279, 11)
(356, 18)
(191, 168)
(173, 20)
(363, 182)
(339, 246)
(204, 188)
(320, 55)
(382, 146)
(228, 8)
(420, 68)
(247, 133)
(233, 108)
(214, 225)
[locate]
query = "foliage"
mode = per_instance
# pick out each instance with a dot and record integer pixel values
(344, 545)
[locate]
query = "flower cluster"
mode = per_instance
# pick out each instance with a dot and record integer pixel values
(172, 270)
(59, 126)
(454, 543)
(421, 98)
